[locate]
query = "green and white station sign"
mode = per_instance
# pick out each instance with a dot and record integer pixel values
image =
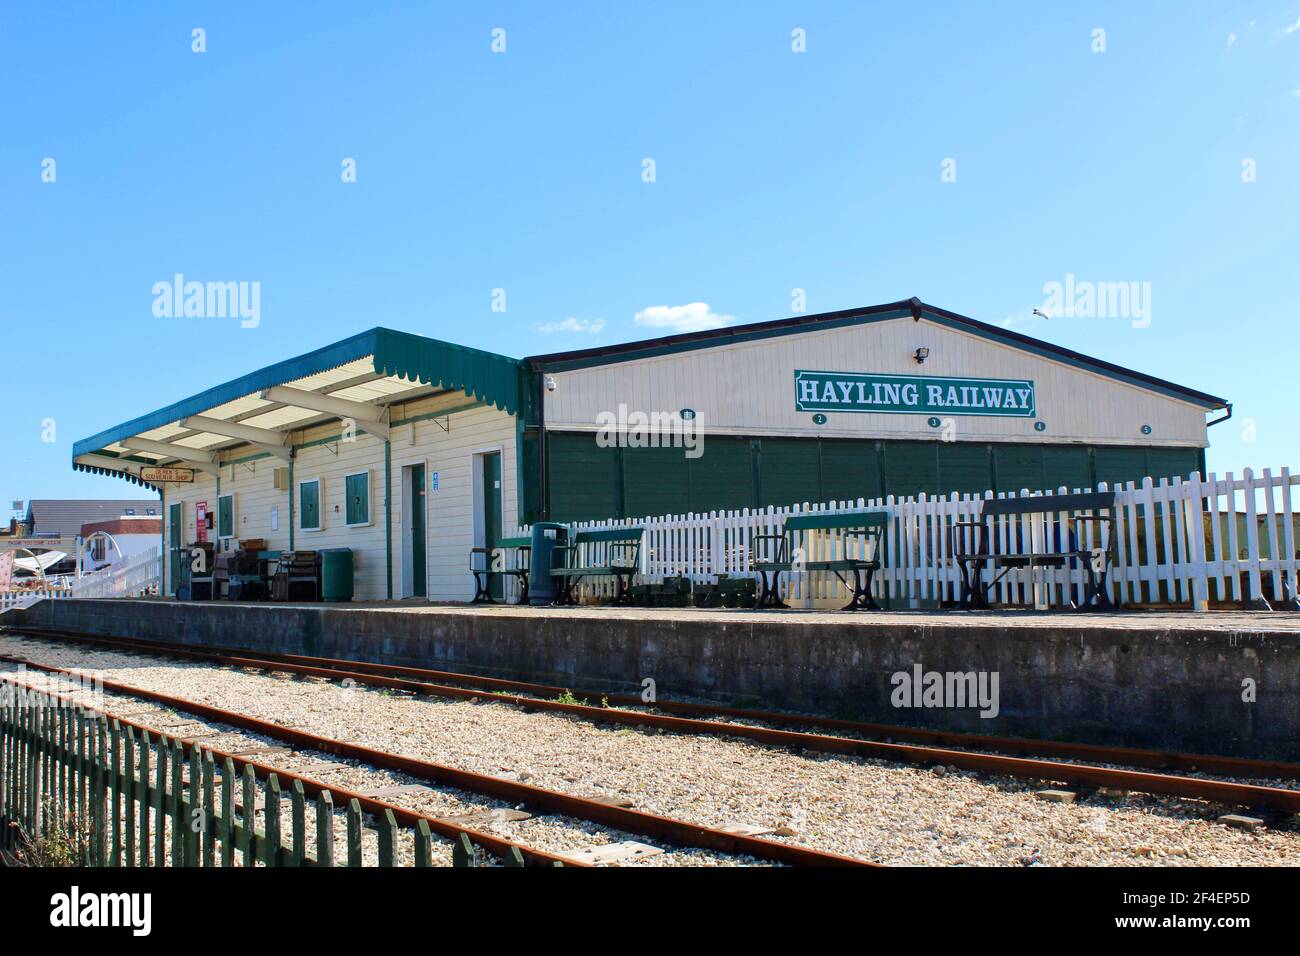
(912, 394)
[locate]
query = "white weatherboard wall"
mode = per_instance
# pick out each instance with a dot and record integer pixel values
(748, 388)
(447, 445)
(452, 516)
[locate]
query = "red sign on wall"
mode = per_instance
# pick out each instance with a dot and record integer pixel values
(201, 521)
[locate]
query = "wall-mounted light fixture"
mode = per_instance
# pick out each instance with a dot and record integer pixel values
(550, 383)
(921, 355)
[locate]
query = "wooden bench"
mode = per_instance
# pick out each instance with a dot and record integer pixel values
(787, 552)
(1051, 541)
(606, 552)
(497, 566)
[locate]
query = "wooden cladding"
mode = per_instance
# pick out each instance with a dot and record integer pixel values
(588, 482)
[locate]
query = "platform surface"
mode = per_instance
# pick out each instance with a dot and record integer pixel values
(1233, 621)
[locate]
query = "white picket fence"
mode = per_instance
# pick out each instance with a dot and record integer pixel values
(134, 576)
(1178, 542)
(15, 599)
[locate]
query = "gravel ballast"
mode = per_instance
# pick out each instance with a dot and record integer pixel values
(878, 811)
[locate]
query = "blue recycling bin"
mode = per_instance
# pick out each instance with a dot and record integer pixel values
(547, 536)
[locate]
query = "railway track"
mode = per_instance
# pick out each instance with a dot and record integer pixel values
(462, 686)
(666, 829)
(1016, 757)
(283, 769)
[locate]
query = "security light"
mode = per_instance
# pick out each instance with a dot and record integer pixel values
(922, 354)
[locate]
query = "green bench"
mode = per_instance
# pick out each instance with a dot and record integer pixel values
(606, 552)
(1057, 541)
(786, 553)
(497, 567)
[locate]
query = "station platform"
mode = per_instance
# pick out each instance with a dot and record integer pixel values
(1223, 682)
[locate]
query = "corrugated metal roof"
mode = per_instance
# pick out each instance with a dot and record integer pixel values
(66, 515)
(378, 366)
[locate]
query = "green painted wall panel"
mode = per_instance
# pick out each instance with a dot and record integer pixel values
(530, 486)
(583, 478)
(1068, 465)
(591, 482)
(722, 478)
(789, 471)
(1018, 466)
(964, 467)
(850, 470)
(1119, 464)
(911, 467)
(1168, 462)
(655, 482)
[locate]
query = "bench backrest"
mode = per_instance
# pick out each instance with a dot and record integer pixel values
(1049, 504)
(496, 558)
(850, 520)
(595, 535)
(871, 524)
(600, 547)
(984, 537)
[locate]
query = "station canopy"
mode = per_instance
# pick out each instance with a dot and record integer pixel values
(357, 378)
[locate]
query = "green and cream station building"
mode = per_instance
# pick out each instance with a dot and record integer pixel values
(410, 451)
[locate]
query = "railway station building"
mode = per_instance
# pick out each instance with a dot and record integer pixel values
(410, 451)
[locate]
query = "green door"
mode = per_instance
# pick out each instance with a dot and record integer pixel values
(418, 584)
(492, 509)
(174, 542)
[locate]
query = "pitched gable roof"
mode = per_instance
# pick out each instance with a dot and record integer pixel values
(65, 516)
(915, 308)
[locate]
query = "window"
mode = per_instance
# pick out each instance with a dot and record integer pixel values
(226, 516)
(309, 505)
(357, 493)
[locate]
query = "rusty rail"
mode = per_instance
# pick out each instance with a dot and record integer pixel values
(934, 750)
(664, 828)
(497, 846)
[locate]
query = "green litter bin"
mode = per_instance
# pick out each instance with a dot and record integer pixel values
(547, 536)
(336, 574)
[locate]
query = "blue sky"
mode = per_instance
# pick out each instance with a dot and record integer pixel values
(523, 171)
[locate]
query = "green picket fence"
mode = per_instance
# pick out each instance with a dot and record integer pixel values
(95, 793)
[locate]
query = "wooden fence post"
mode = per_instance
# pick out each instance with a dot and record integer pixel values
(325, 829)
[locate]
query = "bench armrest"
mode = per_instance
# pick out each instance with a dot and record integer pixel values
(1106, 521)
(1094, 519)
(781, 548)
(623, 553)
(873, 537)
(958, 526)
(489, 553)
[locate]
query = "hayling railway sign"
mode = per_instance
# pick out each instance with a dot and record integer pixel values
(912, 394)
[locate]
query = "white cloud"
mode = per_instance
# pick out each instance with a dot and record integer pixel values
(1018, 318)
(692, 317)
(1024, 320)
(1292, 28)
(572, 324)
(1232, 38)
